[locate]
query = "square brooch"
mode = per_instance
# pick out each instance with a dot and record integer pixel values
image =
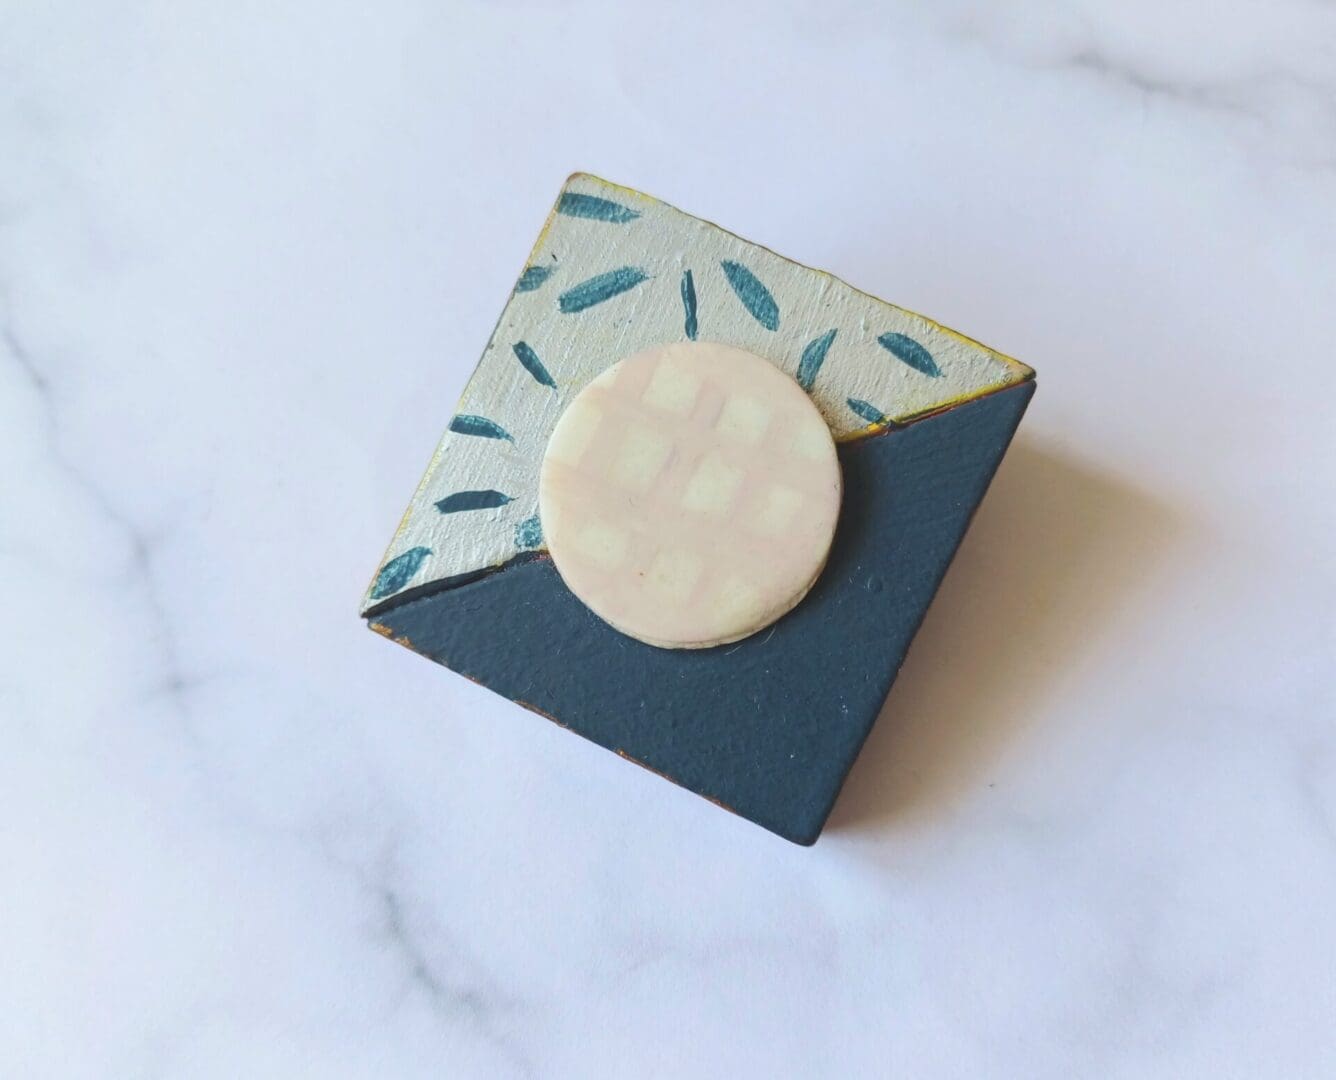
(695, 501)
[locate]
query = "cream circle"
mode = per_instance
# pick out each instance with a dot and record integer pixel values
(689, 495)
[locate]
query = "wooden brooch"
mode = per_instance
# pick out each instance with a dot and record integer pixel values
(695, 502)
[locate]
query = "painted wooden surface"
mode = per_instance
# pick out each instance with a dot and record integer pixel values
(615, 272)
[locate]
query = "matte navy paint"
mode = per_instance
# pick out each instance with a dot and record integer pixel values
(768, 726)
(755, 297)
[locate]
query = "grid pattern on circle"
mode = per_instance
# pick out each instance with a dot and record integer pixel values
(689, 494)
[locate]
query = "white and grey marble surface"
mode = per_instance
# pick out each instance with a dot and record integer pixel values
(248, 255)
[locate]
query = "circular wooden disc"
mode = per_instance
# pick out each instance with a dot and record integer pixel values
(689, 495)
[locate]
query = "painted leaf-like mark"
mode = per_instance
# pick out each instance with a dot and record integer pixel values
(574, 204)
(911, 352)
(529, 533)
(755, 297)
(689, 303)
(533, 277)
(461, 501)
(526, 356)
(600, 288)
(465, 424)
(814, 355)
(868, 411)
(398, 572)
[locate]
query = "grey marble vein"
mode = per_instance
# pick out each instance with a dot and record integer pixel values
(455, 1000)
(173, 683)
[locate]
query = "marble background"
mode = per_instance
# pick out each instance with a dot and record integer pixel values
(249, 253)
